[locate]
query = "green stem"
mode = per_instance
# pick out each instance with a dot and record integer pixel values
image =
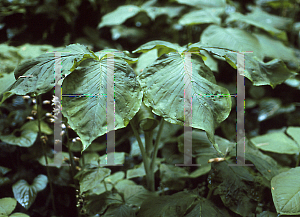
(144, 156)
(38, 103)
(72, 169)
(298, 159)
(149, 142)
(161, 125)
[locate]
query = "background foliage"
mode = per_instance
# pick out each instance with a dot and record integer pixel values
(269, 28)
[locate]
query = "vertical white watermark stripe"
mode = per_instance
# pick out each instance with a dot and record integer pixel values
(240, 127)
(187, 111)
(58, 158)
(110, 112)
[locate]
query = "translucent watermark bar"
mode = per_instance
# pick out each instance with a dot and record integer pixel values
(58, 158)
(110, 113)
(188, 111)
(240, 108)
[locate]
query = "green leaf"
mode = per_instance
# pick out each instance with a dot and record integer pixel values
(115, 178)
(145, 60)
(136, 194)
(7, 205)
(138, 171)
(4, 180)
(6, 81)
(119, 157)
(119, 16)
(124, 12)
(209, 15)
(42, 160)
(265, 18)
(271, 73)
(87, 115)
(232, 39)
(25, 193)
(18, 214)
(276, 49)
(203, 3)
(163, 86)
(276, 142)
(162, 47)
(294, 132)
(170, 11)
(174, 205)
(42, 69)
(122, 210)
(238, 17)
(265, 164)
(92, 177)
(33, 126)
(286, 192)
(172, 176)
(26, 139)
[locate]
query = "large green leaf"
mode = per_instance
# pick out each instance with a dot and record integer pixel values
(238, 17)
(286, 192)
(7, 205)
(203, 3)
(276, 49)
(6, 80)
(87, 114)
(26, 138)
(124, 12)
(209, 15)
(163, 86)
(276, 142)
(271, 73)
(26, 193)
(263, 17)
(119, 16)
(42, 69)
(91, 176)
(162, 47)
(174, 205)
(231, 38)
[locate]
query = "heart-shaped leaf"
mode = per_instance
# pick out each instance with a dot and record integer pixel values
(163, 86)
(87, 114)
(25, 193)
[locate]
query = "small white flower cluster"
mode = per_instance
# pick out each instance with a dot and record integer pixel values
(57, 103)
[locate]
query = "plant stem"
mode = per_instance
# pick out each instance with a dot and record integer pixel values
(38, 103)
(161, 125)
(149, 142)
(298, 159)
(144, 156)
(72, 169)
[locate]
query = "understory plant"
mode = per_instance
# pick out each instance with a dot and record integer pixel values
(149, 102)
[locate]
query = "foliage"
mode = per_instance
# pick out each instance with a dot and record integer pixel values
(149, 88)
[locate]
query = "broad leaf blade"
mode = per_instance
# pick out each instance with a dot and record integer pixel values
(230, 38)
(163, 85)
(26, 139)
(202, 16)
(119, 16)
(286, 192)
(41, 70)
(238, 17)
(162, 47)
(87, 114)
(25, 193)
(7, 205)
